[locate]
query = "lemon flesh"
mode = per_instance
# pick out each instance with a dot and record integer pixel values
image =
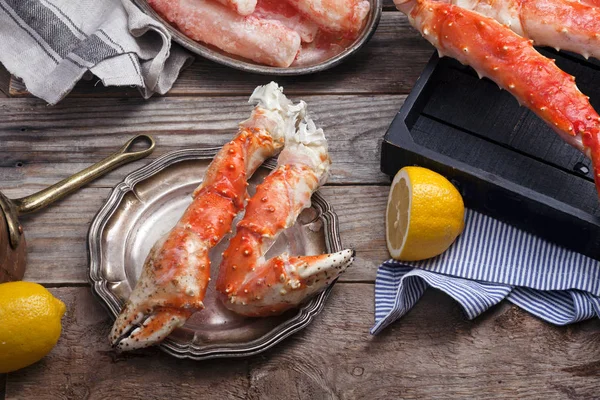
(30, 324)
(424, 216)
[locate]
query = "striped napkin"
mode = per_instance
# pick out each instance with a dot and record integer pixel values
(492, 261)
(52, 44)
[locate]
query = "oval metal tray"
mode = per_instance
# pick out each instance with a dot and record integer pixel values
(221, 57)
(145, 206)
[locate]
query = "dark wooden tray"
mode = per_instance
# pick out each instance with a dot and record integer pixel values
(505, 161)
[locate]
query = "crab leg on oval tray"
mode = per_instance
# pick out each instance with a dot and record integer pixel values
(285, 13)
(265, 41)
(248, 283)
(176, 272)
(342, 16)
(496, 52)
(242, 7)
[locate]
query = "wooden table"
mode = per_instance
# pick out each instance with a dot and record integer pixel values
(434, 352)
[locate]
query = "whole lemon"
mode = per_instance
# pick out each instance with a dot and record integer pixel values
(29, 324)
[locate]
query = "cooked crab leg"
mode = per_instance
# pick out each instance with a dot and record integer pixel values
(344, 16)
(249, 284)
(265, 41)
(177, 270)
(594, 3)
(563, 24)
(242, 7)
(496, 52)
(285, 13)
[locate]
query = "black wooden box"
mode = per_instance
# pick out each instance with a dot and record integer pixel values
(505, 161)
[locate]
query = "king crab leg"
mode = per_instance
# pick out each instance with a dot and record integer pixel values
(284, 12)
(249, 284)
(563, 24)
(242, 7)
(496, 52)
(176, 272)
(265, 41)
(341, 16)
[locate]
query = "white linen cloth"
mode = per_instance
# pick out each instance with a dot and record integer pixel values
(51, 44)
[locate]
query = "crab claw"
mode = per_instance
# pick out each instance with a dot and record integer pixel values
(171, 288)
(248, 283)
(136, 330)
(284, 282)
(176, 272)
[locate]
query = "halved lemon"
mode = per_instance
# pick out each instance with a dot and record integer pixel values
(425, 214)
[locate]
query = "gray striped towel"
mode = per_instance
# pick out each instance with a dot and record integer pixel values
(51, 44)
(492, 261)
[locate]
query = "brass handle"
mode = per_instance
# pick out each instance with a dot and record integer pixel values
(36, 201)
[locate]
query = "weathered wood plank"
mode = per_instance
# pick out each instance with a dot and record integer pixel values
(57, 236)
(82, 366)
(390, 63)
(2, 386)
(432, 353)
(40, 145)
(4, 82)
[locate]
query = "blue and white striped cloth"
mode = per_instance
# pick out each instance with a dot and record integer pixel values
(492, 261)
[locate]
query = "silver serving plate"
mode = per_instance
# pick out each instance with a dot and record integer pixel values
(145, 206)
(221, 57)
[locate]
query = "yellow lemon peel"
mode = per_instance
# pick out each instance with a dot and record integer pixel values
(424, 216)
(30, 324)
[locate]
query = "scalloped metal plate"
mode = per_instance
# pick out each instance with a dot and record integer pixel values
(221, 57)
(147, 204)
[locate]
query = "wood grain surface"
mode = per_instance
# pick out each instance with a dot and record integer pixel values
(4, 82)
(433, 352)
(42, 144)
